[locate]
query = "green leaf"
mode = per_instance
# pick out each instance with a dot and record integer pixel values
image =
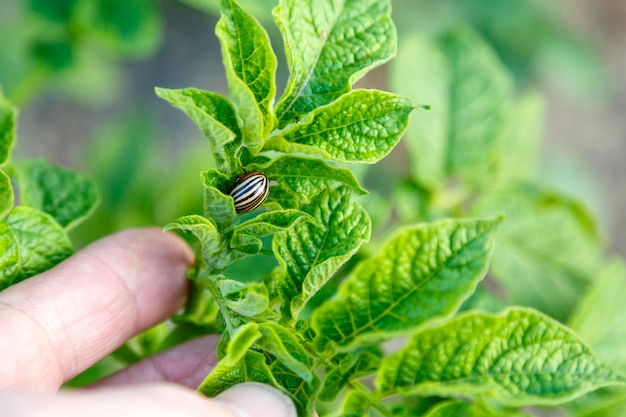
(126, 28)
(6, 194)
(202, 228)
(548, 250)
(469, 91)
(352, 367)
(305, 177)
(243, 363)
(282, 344)
(30, 242)
(250, 67)
(8, 117)
(308, 254)
(519, 357)
(248, 299)
(522, 138)
(599, 316)
(464, 409)
(65, 195)
(425, 271)
(246, 236)
(215, 117)
(360, 126)
(329, 44)
(218, 206)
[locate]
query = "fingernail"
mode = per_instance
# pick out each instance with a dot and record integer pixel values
(255, 399)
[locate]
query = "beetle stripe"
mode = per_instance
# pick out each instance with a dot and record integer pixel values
(251, 192)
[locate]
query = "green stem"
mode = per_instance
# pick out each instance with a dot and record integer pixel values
(371, 397)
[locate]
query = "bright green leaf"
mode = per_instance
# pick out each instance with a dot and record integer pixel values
(218, 206)
(248, 299)
(250, 70)
(355, 366)
(8, 116)
(329, 44)
(6, 194)
(281, 343)
(308, 254)
(548, 250)
(215, 117)
(246, 236)
(360, 126)
(30, 242)
(65, 195)
(519, 357)
(202, 228)
(306, 177)
(425, 271)
(469, 91)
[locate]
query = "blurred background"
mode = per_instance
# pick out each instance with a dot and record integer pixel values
(83, 74)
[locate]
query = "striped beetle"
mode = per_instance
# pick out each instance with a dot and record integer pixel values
(250, 191)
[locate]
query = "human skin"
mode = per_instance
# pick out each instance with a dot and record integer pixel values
(58, 323)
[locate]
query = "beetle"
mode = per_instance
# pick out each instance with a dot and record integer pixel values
(250, 191)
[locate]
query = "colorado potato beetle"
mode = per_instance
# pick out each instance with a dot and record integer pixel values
(250, 191)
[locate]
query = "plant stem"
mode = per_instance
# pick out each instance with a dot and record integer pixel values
(371, 397)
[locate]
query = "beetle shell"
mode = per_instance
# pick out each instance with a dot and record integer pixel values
(250, 191)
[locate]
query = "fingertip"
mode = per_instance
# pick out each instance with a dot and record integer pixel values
(255, 399)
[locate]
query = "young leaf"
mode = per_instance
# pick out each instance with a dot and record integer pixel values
(423, 272)
(214, 116)
(362, 364)
(6, 194)
(329, 44)
(306, 177)
(246, 236)
(202, 228)
(250, 69)
(282, 344)
(248, 299)
(30, 242)
(548, 250)
(520, 357)
(469, 91)
(360, 126)
(243, 363)
(308, 254)
(65, 195)
(8, 116)
(217, 205)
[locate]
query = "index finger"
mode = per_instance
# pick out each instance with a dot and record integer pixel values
(58, 323)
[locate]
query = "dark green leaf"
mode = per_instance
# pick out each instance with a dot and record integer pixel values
(59, 11)
(519, 357)
(329, 44)
(360, 126)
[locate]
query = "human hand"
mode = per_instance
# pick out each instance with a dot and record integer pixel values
(60, 322)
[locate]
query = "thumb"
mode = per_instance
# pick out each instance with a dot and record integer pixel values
(254, 399)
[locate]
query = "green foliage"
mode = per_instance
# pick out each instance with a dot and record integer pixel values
(33, 235)
(286, 328)
(318, 325)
